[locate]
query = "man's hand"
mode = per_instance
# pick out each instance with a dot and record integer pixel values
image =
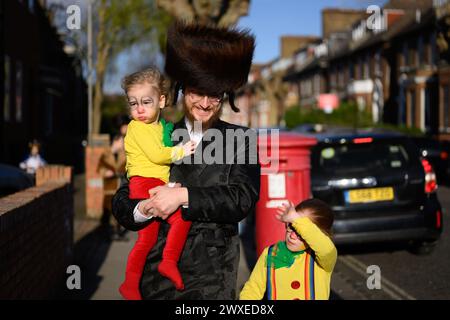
(165, 200)
(145, 207)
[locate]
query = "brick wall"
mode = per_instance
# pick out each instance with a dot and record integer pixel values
(53, 173)
(36, 240)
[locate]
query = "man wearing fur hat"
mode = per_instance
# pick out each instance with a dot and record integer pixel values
(207, 64)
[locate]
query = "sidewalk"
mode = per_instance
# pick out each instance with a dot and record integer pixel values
(103, 262)
(112, 271)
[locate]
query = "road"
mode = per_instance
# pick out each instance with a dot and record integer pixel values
(404, 275)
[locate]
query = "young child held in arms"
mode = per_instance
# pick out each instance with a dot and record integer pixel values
(149, 153)
(300, 267)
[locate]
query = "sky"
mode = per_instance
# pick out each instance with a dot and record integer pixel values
(270, 19)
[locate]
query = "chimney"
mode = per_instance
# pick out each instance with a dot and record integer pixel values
(409, 5)
(338, 20)
(290, 44)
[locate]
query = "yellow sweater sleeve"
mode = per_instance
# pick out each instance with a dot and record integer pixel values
(150, 144)
(255, 287)
(320, 243)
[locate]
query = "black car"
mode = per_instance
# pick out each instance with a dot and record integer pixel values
(379, 187)
(437, 152)
(13, 179)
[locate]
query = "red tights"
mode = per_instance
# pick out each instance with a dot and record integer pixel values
(147, 238)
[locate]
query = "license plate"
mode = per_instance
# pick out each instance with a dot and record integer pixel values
(369, 195)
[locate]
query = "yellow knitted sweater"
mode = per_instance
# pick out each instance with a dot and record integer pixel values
(146, 154)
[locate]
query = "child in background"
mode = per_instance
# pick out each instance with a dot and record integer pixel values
(149, 154)
(34, 159)
(300, 267)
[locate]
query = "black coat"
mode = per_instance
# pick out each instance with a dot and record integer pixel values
(220, 195)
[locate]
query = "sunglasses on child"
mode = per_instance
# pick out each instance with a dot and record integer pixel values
(290, 229)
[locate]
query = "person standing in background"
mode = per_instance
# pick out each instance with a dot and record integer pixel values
(34, 159)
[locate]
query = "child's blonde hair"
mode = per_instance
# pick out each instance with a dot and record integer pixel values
(150, 75)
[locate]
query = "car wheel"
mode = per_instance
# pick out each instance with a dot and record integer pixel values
(423, 248)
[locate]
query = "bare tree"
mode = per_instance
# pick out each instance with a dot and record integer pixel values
(122, 24)
(117, 26)
(214, 12)
(275, 91)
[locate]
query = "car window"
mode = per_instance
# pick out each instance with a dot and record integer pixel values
(351, 158)
(427, 143)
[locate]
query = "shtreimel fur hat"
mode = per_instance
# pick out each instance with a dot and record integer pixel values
(212, 60)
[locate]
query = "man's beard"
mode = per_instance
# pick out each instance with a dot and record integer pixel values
(205, 125)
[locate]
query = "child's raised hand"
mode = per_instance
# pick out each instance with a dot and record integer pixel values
(189, 148)
(286, 213)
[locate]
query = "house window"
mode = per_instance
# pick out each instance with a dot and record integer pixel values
(361, 68)
(306, 88)
(427, 51)
(351, 71)
(412, 55)
(309, 87)
(412, 108)
(446, 106)
(428, 99)
(402, 102)
(405, 54)
(7, 89)
(19, 91)
(366, 73)
(433, 45)
(377, 62)
(420, 51)
(333, 78)
(316, 84)
(341, 76)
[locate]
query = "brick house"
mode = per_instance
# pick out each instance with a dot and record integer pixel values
(398, 73)
(312, 73)
(394, 63)
(442, 8)
(43, 93)
(415, 69)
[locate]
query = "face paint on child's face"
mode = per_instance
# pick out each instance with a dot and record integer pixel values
(294, 242)
(145, 102)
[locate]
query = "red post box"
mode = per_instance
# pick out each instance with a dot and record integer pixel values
(285, 176)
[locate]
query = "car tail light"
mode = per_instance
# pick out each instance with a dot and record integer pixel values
(444, 155)
(430, 177)
(438, 219)
(362, 140)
